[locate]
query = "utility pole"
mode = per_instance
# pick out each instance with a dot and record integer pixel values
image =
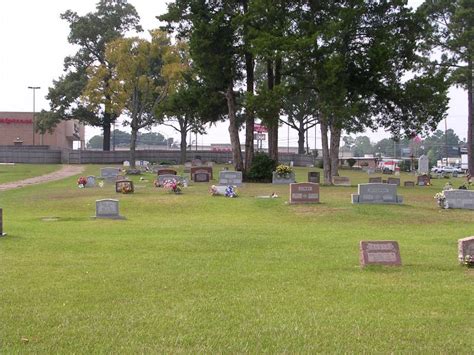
(34, 88)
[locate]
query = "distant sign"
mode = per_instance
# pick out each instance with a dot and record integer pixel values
(259, 128)
(260, 136)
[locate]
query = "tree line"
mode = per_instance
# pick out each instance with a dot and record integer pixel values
(348, 66)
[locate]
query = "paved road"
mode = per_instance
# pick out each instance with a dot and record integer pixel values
(65, 172)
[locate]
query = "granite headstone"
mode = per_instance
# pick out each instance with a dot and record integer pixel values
(314, 177)
(379, 252)
(233, 178)
(465, 248)
(463, 199)
(107, 208)
(377, 194)
(423, 165)
(304, 192)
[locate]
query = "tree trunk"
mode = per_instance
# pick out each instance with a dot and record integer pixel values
(133, 146)
(249, 115)
(106, 129)
(301, 139)
(233, 129)
(334, 152)
(326, 158)
(274, 78)
(470, 119)
(183, 146)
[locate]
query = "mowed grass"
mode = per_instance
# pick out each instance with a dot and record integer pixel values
(194, 273)
(17, 172)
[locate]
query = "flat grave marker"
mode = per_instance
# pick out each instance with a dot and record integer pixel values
(304, 192)
(379, 252)
(107, 209)
(341, 181)
(375, 180)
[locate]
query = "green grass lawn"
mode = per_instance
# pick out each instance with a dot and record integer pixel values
(195, 273)
(16, 172)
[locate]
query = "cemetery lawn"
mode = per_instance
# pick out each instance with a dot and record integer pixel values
(194, 273)
(9, 173)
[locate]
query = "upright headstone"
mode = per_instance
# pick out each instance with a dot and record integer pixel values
(377, 194)
(314, 177)
(283, 179)
(304, 192)
(423, 165)
(463, 199)
(201, 169)
(166, 171)
(423, 180)
(465, 249)
(1, 223)
(341, 181)
(375, 180)
(233, 178)
(379, 252)
(109, 173)
(201, 176)
(187, 167)
(90, 181)
(409, 184)
(107, 208)
(393, 181)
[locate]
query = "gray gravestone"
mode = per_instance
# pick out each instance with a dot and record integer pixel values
(465, 248)
(409, 184)
(233, 178)
(379, 252)
(463, 199)
(108, 209)
(423, 165)
(109, 173)
(377, 194)
(1, 223)
(165, 177)
(314, 177)
(90, 181)
(283, 179)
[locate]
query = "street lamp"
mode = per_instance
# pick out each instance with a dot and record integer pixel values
(34, 88)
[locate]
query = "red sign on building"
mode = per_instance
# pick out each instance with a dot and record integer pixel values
(16, 120)
(259, 128)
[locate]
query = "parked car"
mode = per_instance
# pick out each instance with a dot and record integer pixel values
(447, 170)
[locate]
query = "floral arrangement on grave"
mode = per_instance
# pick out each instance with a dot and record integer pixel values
(101, 184)
(440, 199)
(173, 186)
(81, 182)
(468, 261)
(126, 189)
(284, 171)
(230, 191)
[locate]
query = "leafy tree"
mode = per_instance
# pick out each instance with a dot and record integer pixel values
(362, 146)
(451, 33)
(90, 33)
(122, 139)
(142, 74)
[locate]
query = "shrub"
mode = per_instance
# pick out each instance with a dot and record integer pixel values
(351, 162)
(319, 163)
(262, 168)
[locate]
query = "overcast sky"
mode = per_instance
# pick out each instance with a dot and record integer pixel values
(33, 44)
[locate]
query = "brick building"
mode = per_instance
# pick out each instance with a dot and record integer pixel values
(16, 128)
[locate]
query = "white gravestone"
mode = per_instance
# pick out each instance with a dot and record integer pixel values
(107, 208)
(423, 165)
(233, 178)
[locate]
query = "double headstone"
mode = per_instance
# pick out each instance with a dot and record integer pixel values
(233, 178)
(375, 180)
(283, 179)
(109, 174)
(201, 171)
(463, 199)
(304, 192)
(169, 177)
(409, 184)
(107, 209)
(379, 252)
(377, 194)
